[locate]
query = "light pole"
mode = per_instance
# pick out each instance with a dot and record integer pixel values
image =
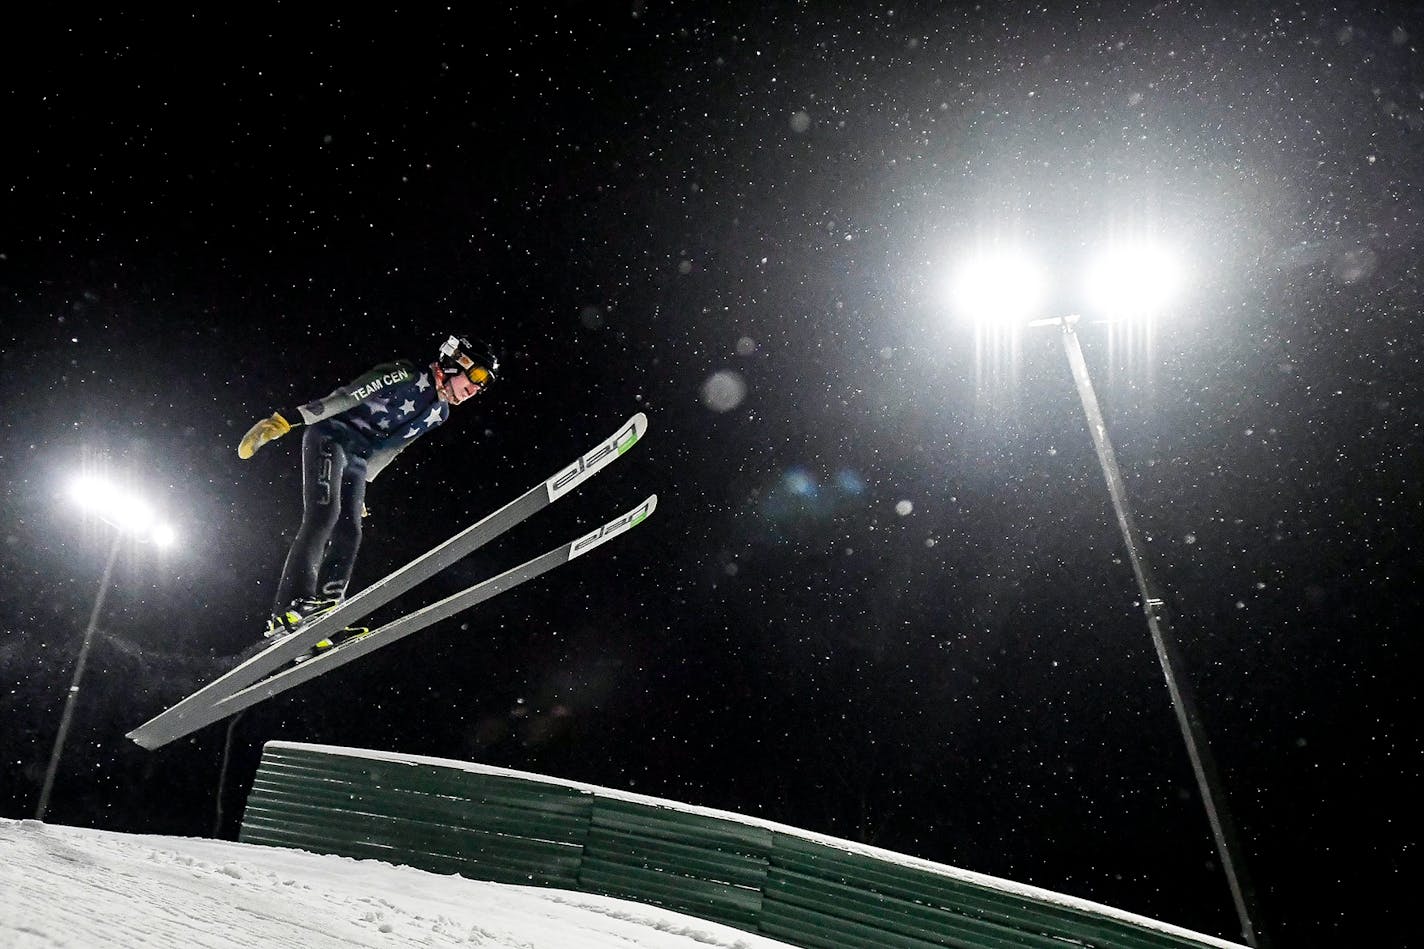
(1138, 281)
(129, 517)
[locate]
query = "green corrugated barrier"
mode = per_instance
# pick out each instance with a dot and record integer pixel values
(801, 888)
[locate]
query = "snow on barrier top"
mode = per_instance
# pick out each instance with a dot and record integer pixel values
(800, 887)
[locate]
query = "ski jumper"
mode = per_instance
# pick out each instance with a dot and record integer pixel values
(351, 436)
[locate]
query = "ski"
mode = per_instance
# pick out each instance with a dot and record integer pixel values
(363, 644)
(170, 724)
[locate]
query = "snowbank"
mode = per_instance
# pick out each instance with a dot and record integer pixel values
(66, 886)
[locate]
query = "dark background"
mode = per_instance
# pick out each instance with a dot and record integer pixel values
(207, 215)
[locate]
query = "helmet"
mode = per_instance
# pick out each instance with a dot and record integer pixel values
(478, 362)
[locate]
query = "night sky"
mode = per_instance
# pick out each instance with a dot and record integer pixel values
(883, 596)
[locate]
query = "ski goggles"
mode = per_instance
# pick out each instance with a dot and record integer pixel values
(476, 373)
(472, 371)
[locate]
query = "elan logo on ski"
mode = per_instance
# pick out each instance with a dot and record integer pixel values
(589, 464)
(613, 528)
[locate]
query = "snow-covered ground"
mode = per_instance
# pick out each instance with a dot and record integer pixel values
(65, 886)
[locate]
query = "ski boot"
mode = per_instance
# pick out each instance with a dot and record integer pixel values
(336, 639)
(302, 609)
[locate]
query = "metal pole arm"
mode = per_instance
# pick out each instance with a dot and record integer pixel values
(79, 665)
(1188, 718)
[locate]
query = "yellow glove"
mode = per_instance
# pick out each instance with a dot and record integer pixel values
(269, 429)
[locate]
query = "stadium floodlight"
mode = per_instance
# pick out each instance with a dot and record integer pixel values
(1124, 281)
(129, 514)
(1132, 281)
(1003, 286)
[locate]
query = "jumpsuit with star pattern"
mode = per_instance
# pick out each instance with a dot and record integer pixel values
(351, 436)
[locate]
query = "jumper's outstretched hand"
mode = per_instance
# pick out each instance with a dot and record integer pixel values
(269, 429)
